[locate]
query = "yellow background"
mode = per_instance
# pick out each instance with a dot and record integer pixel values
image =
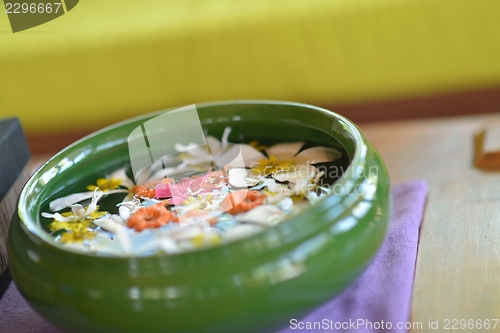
(108, 60)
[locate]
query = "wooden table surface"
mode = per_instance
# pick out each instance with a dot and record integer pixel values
(458, 264)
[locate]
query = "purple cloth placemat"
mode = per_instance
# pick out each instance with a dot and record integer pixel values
(382, 293)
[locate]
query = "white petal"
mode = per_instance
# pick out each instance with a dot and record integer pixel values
(240, 155)
(161, 174)
(214, 145)
(122, 175)
(317, 155)
(197, 160)
(112, 224)
(296, 173)
(242, 231)
(142, 176)
(300, 187)
(69, 200)
(261, 215)
(284, 151)
(93, 204)
(181, 169)
(78, 211)
(193, 149)
(182, 148)
(274, 187)
(225, 137)
(58, 217)
(230, 158)
(164, 161)
(241, 177)
(132, 204)
(124, 212)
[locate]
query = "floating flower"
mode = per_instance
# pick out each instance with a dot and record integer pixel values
(142, 191)
(302, 178)
(105, 184)
(190, 187)
(281, 157)
(241, 201)
(270, 165)
(110, 184)
(284, 155)
(166, 166)
(148, 190)
(202, 158)
(275, 191)
(70, 226)
(151, 217)
(113, 223)
(78, 214)
(77, 222)
(76, 236)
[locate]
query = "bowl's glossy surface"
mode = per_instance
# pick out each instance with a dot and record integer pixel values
(257, 283)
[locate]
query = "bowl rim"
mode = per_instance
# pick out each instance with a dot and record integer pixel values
(37, 234)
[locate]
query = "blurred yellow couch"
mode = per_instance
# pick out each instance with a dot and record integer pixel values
(108, 60)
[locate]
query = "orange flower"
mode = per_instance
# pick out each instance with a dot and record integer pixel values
(242, 201)
(151, 217)
(143, 192)
(148, 189)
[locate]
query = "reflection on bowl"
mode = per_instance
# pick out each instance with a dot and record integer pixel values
(274, 276)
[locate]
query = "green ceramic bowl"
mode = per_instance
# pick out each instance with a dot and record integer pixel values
(254, 284)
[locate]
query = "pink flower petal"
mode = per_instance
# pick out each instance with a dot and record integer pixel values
(182, 189)
(163, 191)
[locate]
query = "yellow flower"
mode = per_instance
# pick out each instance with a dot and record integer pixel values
(105, 184)
(268, 166)
(282, 156)
(79, 218)
(69, 226)
(76, 236)
(76, 224)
